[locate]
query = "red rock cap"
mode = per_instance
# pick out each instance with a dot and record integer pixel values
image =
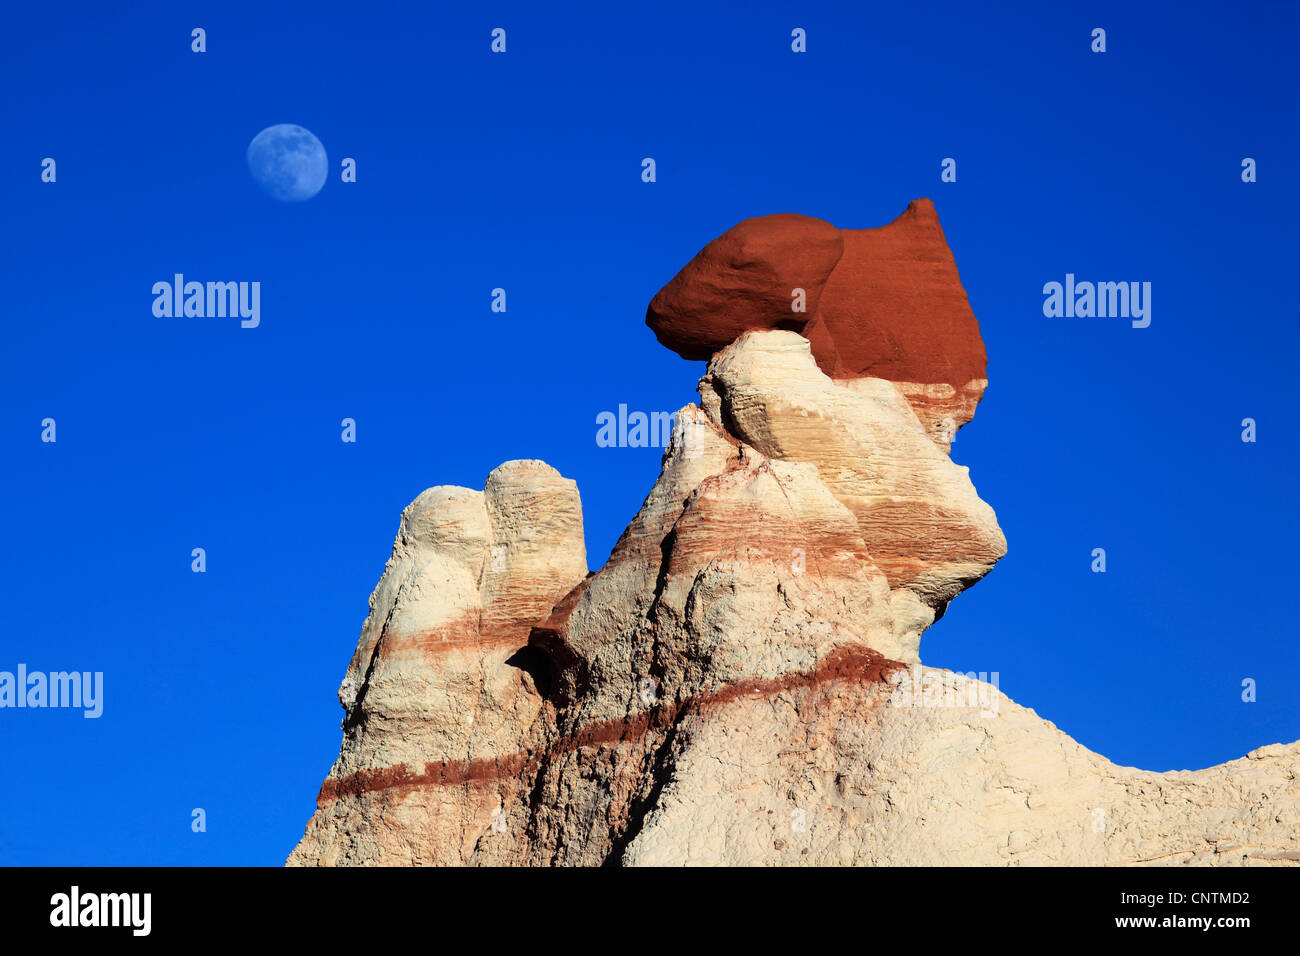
(884, 302)
(746, 279)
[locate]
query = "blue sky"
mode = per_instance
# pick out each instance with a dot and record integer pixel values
(522, 171)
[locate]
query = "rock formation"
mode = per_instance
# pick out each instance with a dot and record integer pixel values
(741, 682)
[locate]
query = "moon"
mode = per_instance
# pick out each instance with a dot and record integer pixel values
(288, 162)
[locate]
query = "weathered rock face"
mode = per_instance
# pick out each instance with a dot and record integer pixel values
(933, 768)
(741, 682)
(922, 521)
(894, 307)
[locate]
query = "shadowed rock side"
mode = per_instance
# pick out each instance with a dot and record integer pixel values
(741, 682)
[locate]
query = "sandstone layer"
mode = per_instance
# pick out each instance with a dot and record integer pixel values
(741, 682)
